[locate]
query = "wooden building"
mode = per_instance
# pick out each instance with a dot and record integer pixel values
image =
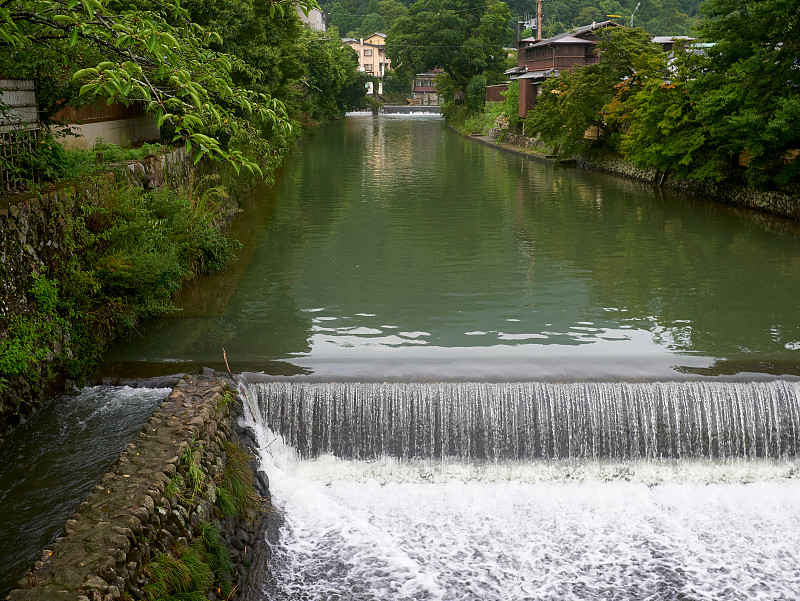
(537, 60)
(423, 89)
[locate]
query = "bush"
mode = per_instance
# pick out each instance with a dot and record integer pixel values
(475, 94)
(122, 262)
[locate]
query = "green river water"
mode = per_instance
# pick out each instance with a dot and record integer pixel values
(390, 248)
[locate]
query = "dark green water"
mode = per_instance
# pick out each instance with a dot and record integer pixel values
(391, 248)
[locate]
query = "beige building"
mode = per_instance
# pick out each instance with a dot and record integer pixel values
(315, 19)
(371, 54)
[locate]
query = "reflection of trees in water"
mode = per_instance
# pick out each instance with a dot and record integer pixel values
(430, 233)
(703, 277)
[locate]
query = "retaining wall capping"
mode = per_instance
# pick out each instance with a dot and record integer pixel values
(130, 517)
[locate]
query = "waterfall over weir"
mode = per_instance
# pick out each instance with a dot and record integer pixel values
(531, 420)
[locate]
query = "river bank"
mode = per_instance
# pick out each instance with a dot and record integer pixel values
(82, 262)
(185, 490)
(783, 203)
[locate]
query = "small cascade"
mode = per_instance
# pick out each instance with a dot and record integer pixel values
(533, 420)
(416, 109)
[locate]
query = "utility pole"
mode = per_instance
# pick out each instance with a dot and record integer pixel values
(539, 20)
(638, 4)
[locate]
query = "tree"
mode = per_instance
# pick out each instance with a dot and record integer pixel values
(572, 102)
(749, 93)
(333, 76)
(345, 16)
(373, 23)
(463, 38)
(157, 56)
(391, 10)
(654, 112)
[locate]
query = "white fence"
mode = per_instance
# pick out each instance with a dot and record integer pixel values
(19, 128)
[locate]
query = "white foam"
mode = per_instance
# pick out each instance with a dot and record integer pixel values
(551, 530)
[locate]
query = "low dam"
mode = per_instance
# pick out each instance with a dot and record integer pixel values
(410, 109)
(535, 420)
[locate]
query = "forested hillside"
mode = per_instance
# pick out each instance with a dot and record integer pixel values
(659, 17)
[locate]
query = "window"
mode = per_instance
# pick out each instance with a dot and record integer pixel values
(367, 51)
(368, 67)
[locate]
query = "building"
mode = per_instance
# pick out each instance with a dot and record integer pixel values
(668, 42)
(537, 60)
(315, 19)
(115, 123)
(423, 89)
(372, 57)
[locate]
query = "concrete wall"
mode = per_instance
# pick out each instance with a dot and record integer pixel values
(132, 516)
(122, 132)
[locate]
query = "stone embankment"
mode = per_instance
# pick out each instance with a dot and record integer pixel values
(162, 494)
(785, 203)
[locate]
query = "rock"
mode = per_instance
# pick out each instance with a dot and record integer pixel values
(95, 583)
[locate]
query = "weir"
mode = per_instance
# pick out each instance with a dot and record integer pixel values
(410, 109)
(535, 420)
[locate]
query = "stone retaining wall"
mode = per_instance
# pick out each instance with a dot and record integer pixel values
(37, 231)
(785, 203)
(147, 505)
(519, 140)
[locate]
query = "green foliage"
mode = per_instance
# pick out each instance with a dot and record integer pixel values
(212, 94)
(656, 121)
(571, 103)
(658, 17)
(360, 19)
(333, 74)
(511, 103)
(174, 487)
(235, 493)
(475, 94)
(217, 555)
(30, 340)
(122, 262)
(465, 39)
(192, 571)
(749, 92)
(46, 160)
(187, 577)
(698, 116)
(191, 460)
(157, 57)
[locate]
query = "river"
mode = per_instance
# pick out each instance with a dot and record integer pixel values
(392, 248)
(503, 380)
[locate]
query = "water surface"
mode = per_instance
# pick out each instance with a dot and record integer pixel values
(50, 464)
(392, 248)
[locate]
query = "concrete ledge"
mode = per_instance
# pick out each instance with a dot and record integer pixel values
(531, 155)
